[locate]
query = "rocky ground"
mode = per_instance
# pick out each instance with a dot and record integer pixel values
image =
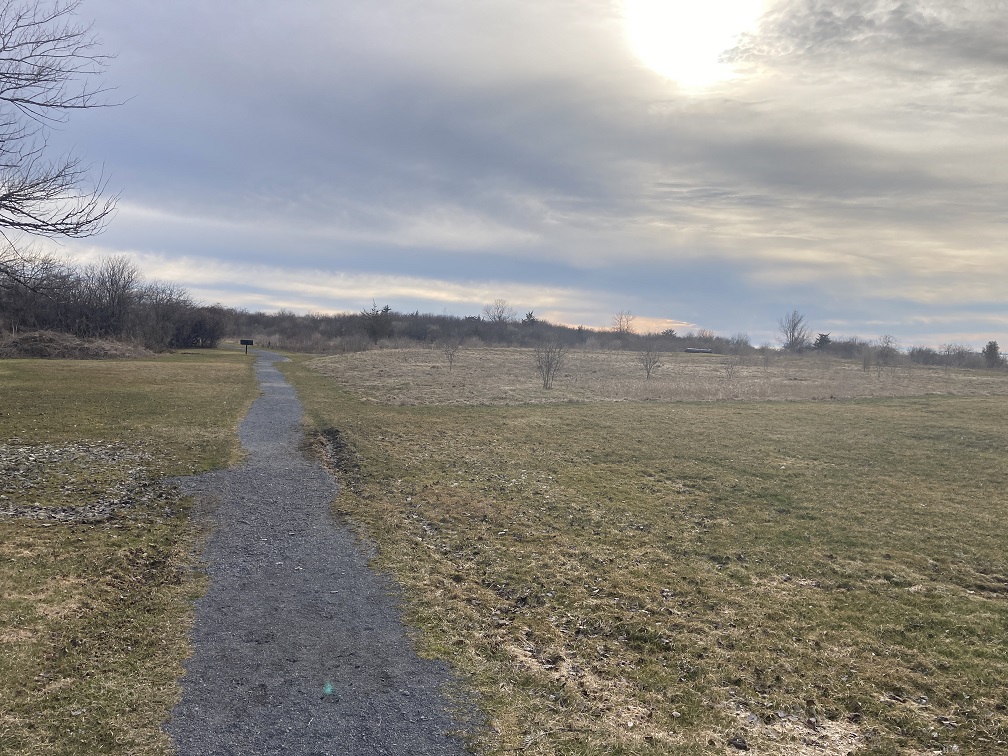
(80, 482)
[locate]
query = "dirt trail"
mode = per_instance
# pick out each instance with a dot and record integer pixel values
(298, 645)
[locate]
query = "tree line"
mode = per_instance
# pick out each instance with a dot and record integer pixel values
(496, 325)
(111, 299)
(108, 300)
(794, 334)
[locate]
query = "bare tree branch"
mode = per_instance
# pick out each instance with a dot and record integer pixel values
(499, 311)
(49, 66)
(623, 322)
(794, 331)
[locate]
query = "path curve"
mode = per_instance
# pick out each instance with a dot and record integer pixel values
(298, 644)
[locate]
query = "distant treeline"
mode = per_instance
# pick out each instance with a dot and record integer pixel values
(383, 326)
(112, 300)
(107, 300)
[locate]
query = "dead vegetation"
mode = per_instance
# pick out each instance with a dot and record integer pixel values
(49, 345)
(688, 577)
(509, 376)
(97, 571)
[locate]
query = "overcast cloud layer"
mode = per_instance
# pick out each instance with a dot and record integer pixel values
(318, 155)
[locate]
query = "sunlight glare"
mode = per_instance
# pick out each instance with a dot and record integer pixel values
(683, 39)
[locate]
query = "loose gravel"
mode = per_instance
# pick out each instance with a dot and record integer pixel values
(298, 645)
(81, 482)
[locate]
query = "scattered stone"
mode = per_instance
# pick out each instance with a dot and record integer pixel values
(739, 743)
(29, 473)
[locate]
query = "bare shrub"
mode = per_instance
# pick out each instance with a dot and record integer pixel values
(650, 360)
(549, 358)
(766, 352)
(450, 347)
(739, 343)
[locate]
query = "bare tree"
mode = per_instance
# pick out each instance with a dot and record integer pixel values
(450, 348)
(48, 68)
(650, 359)
(549, 358)
(956, 354)
(499, 311)
(794, 331)
(160, 308)
(888, 350)
(30, 282)
(108, 292)
(623, 322)
(738, 343)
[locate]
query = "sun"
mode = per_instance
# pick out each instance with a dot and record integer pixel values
(684, 39)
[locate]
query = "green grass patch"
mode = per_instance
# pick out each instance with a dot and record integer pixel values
(658, 577)
(94, 617)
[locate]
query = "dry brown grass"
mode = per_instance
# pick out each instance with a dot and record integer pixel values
(656, 577)
(50, 345)
(418, 376)
(94, 610)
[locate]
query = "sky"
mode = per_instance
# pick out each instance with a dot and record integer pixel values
(575, 157)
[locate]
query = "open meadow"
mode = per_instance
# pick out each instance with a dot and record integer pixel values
(798, 556)
(506, 375)
(97, 570)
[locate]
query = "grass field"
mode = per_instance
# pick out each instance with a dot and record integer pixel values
(620, 573)
(506, 376)
(94, 615)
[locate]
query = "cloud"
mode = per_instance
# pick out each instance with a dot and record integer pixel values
(427, 152)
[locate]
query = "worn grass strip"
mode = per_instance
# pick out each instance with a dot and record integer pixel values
(94, 617)
(656, 578)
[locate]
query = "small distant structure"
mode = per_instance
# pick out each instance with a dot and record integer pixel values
(698, 350)
(246, 343)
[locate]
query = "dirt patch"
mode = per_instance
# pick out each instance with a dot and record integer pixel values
(330, 448)
(49, 345)
(797, 734)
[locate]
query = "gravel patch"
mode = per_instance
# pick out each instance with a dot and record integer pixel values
(298, 645)
(58, 483)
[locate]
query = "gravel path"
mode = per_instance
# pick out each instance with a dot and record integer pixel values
(298, 645)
